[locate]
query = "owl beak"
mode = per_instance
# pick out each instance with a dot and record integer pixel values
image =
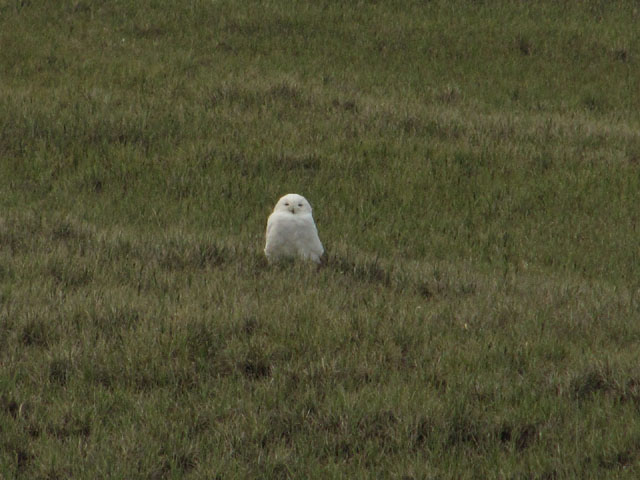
(292, 210)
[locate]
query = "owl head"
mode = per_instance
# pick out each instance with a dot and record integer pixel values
(294, 204)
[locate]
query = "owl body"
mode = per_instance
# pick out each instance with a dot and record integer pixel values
(291, 231)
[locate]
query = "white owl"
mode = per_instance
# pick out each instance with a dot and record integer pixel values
(291, 231)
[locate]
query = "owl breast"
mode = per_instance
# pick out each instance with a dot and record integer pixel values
(292, 235)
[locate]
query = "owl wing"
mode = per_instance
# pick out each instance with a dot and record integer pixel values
(269, 224)
(312, 241)
(276, 236)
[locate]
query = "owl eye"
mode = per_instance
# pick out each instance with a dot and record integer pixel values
(299, 204)
(286, 204)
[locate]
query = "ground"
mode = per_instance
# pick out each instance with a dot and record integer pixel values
(474, 169)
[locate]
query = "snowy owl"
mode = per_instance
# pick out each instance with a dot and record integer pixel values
(291, 231)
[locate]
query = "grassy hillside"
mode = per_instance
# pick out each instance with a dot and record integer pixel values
(474, 169)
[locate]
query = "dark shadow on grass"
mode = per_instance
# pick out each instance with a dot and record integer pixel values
(36, 332)
(362, 270)
(255, 366)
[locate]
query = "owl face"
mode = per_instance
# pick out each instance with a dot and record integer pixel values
(294, 204)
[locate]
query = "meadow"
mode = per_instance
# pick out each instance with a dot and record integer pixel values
(474, 169)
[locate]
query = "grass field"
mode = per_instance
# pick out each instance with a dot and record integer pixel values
(474, 169)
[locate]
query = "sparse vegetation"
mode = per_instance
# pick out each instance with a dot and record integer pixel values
(474, 172)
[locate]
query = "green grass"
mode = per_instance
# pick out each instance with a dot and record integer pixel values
(474, 169)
